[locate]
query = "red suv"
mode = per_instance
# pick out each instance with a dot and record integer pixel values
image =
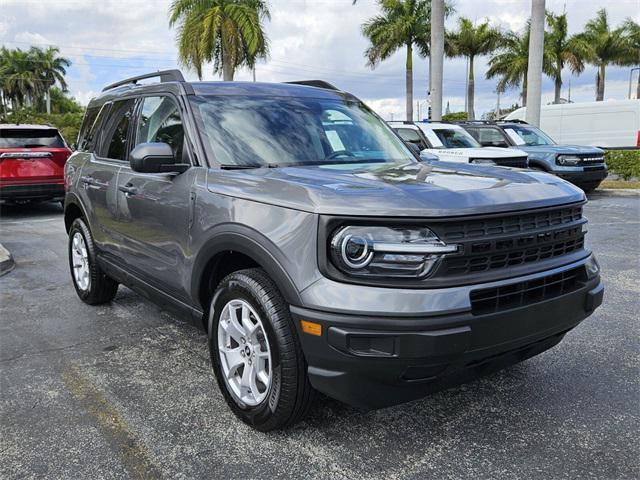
(32, 159)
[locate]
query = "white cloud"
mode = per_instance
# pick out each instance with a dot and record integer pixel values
(111, 39)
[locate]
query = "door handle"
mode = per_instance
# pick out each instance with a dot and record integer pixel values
(128, 189)
(87, 180)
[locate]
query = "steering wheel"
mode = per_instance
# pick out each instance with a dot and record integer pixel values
(339, 153)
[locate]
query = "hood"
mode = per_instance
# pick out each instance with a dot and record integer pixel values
(561, 149)
(410, 190)
(480, 152)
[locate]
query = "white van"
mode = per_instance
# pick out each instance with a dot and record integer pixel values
(609, 124)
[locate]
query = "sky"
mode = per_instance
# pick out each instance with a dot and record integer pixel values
(108, 40)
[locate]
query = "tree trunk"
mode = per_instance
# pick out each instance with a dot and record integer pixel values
(471, 114)
(600, 85)
(228, 64)
(409, 82)
(558, 89)
(48, 94)
(524, 90)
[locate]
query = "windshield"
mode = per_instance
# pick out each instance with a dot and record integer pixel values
(284, 131)
(455, 138)
(531, 135)
(30, 138)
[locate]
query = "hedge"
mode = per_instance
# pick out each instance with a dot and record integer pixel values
(625, 163)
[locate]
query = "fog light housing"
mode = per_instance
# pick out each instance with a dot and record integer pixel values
(568, 160)
(592, 267)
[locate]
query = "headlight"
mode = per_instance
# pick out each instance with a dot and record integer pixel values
(483, 161)
(568, 160)
(401, 252)
(592, 267)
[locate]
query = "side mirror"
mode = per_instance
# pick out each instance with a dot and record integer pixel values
(426, 156)
(415, 149)
(155, 158)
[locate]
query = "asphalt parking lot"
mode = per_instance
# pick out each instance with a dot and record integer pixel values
(125, 390)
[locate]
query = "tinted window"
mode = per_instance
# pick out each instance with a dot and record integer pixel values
(531, 136)
(115, 139)
(409, 135)
(489, 137)
(296, 131)
(160, 122)
(86, 130)
(30, 138)
(455, 138)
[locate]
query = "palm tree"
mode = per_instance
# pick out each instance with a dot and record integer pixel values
(632, 34)
(18, 76)
(228, 32)
(603, 46)
(50, 69)
(471, 41)
(512, 62)
(562, 50)
(402, 24)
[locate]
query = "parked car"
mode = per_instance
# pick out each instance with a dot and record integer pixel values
(32, 159)
(608, 124)
(582, 166)
(452, 143)
(295, 227)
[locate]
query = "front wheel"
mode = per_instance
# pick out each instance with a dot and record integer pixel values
(92, 285)
(255, 352)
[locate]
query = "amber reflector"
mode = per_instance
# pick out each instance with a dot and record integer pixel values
(311, 328)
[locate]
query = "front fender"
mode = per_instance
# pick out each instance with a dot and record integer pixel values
(249, 242)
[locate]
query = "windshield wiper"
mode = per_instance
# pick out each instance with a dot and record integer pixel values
(229, 166)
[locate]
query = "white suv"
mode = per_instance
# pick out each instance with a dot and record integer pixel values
(452, 143)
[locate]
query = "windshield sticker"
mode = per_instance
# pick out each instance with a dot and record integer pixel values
(517, 139)
(334, 140)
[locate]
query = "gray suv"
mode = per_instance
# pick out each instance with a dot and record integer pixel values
(316, 251)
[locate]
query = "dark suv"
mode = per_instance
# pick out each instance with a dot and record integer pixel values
(297, 229)
(580, 165)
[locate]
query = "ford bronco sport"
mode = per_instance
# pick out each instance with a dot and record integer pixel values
(318, 253)
(580, 165)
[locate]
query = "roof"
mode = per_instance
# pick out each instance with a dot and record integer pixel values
(26, 125)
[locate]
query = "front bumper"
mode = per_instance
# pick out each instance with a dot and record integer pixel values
(584, 177)
(372, 361)
(35, 191)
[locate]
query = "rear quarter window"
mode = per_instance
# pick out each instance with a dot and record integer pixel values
(31, 138)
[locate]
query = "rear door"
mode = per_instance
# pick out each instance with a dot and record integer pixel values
(154, 210)
(98, 178)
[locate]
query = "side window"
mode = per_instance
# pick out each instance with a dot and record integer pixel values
(89, 132)
(160, 122)
(413, 136)
(490, 137)
(87, 122)
(115, 144)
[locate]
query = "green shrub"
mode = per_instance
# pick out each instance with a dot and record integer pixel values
(454, 116)
(625, 163)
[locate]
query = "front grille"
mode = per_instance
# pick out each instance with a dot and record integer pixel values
(517, 162)
(504, 242)
(509, 224)
(520, 294)
(590, 158)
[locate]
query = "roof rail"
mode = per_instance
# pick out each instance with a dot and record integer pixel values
(315, 83)
(165, 76)
(515, 120)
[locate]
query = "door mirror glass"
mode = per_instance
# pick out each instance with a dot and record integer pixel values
(155, 157)
(415, 149)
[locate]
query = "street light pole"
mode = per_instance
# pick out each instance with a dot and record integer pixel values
(437, 58)
(534, 73)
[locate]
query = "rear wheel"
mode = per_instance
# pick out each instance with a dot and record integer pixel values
(92, 285)
(255, 352)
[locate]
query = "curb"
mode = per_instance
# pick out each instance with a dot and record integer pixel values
(6, 261)
(615, 192)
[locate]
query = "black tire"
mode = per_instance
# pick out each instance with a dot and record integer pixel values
(101, 288)
(290, 394)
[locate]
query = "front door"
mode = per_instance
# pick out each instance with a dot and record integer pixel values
(154, 210)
